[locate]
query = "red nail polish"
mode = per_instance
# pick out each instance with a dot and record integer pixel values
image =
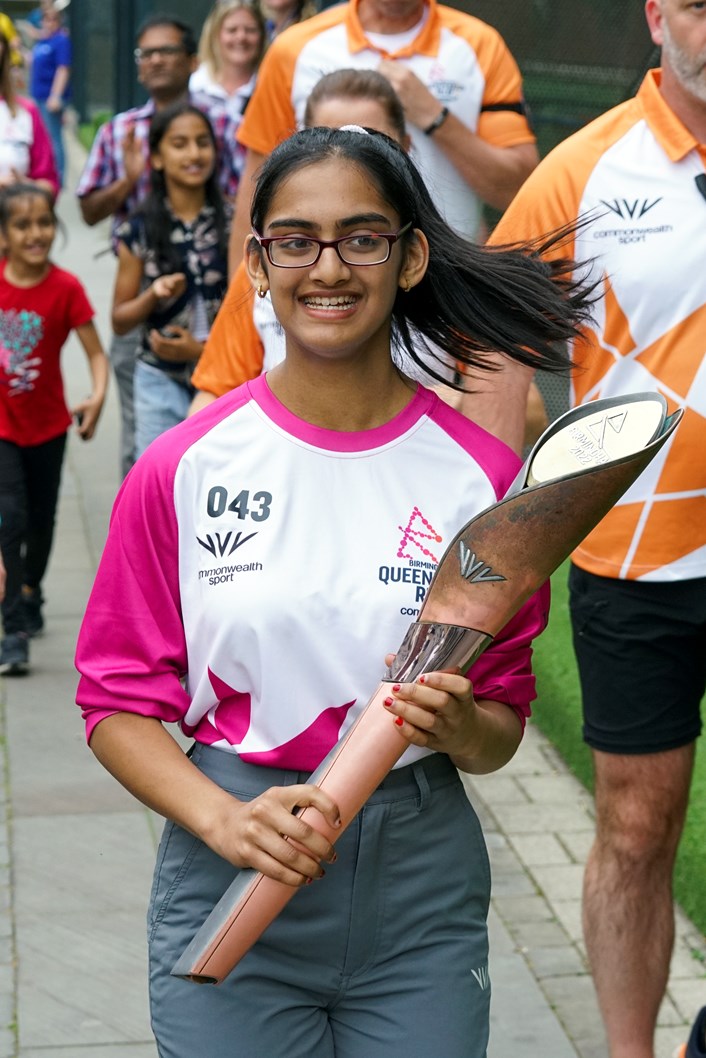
(399, 721)
(395, 687)
(388, 702)
(422, 679)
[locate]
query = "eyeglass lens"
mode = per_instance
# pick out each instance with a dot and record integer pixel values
(166, 51)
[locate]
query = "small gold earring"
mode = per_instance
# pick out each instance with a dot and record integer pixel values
(405, 286)
(261, 292)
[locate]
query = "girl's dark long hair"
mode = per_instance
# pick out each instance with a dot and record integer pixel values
(473, 300)
(153, 209)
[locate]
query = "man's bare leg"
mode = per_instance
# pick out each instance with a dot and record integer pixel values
(628, 916)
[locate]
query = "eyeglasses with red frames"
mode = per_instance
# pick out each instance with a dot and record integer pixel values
(303, 251)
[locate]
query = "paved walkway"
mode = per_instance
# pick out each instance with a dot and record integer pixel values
(76, 851)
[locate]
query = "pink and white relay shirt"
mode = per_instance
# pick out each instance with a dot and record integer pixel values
(258, 569)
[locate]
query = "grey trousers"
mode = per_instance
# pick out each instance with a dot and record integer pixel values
(123, 356)
(384, 957)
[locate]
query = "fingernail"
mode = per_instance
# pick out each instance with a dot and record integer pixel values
(399, 721)
(422, 679)
(308, 881)
(388, 702)
(333, 858)
(395, 687)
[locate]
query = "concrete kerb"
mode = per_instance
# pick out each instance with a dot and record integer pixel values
(8, 950)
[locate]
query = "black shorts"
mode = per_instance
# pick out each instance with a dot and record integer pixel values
(641, 653)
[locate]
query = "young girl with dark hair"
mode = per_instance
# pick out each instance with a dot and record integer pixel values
(270, 552)
(40, 305)
(172, 267)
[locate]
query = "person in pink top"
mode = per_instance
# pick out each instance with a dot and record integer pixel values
(26, 152)
(269, 552)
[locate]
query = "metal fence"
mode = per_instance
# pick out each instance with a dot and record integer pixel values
(578, 57)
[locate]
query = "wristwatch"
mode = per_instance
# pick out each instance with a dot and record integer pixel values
(437, 122)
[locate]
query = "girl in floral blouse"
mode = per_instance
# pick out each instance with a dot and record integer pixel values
(172, 267)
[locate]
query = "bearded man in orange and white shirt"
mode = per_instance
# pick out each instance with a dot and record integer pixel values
(635, 179)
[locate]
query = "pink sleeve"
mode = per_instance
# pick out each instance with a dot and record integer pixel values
(131, 649)
(503, 673)
(41, 153)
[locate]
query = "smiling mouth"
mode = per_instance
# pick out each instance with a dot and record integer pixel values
(342, 301)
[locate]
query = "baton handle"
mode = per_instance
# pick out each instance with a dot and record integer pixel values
(353, 769)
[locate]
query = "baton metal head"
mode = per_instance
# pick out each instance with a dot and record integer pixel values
(578, 469)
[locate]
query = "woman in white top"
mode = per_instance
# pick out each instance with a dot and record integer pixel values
(25, 148)
(230, 49)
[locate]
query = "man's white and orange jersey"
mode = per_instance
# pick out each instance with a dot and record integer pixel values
(630, 179)
(463, 62)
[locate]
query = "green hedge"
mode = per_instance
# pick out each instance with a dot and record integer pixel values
(87, 130)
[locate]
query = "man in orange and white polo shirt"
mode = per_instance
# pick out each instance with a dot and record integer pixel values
(459, 85)
(638, 583)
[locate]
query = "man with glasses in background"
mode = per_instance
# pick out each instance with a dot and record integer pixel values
(116, 175)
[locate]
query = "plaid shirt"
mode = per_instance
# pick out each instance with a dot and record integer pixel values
(105, 162)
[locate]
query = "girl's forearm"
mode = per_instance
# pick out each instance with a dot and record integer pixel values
(61, 79)
(98, 364)
(496, 738)
(141, 754)
(100, 373)
(132, 313)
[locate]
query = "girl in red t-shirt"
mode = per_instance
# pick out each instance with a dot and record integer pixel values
(40, 305)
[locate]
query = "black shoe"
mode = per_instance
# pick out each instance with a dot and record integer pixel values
(14, 654)
(32, 602)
